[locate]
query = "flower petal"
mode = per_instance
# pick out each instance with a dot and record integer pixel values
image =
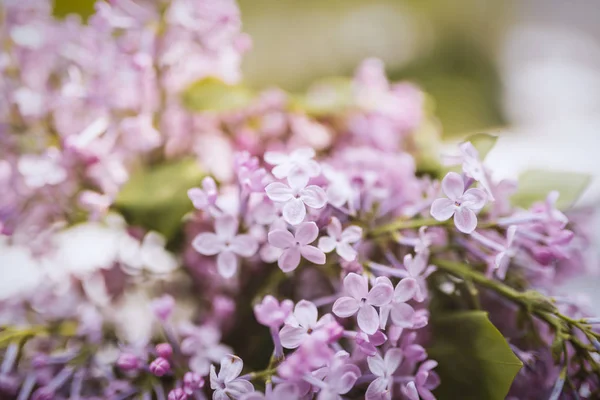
(231, 366)
(289, 260)
(282, 170)
(356, 286)
(306, 314)
(306, 233)
(313, 254)
(294, 211)
(368, 320)
(244, 245)
(474, 199)
(214, 380)
(352, 234)
(313, 196)
(238, 387)
(346, 251)
(198, 197)
(344, 383)
(279, 192)
(377, 390)
(453, 185)
(402, 315)
(281, 238)
(327, 244)
(345, 307)
(292, 336)
(410, 391)
(334, 229)
(275, 157)
(392, 360)
(465, 220)
(376, 365)
(380, 294)
(226, 226)
(303, 154)
(405, 290)
(227, 264)
(442, 209)
(208, 243)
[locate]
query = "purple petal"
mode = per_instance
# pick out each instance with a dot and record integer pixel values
(208, 243)
(238, 387)
(368, 320)
(442, 209)
(313, 254)
(231, 366)
(402, 315)
(352, 234)
(279, 192)
(346, 251)
(510, 235)
(313, 196)
(198, 198)
(453, 185)
(474, 199)
(334, 229)
(227, 264)
(214, 380)
(294, 211)
(306, 314)
(381, 294)
(465, 220)
(392, 360)
(405, 290)
(297, 179)
(281, 238)
(292, 336)
(327, 244)
(226, 227)
(244, 245)
(356, 286)
(344, 383)
(377, 390)
(345, 307)
(376, 365)
(306, 233)
(286, 391)
(410, 391)
(289, 260)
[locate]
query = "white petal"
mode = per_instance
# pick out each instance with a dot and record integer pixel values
(292, 336)
(227, 264)
(313, 196)
(279, 192)
(208, 243)
(306, 233)
(226, 226)
(346, 251)
(306, 314)
(345, 307)
(281, 238)
(465, 220)
(442, 209)
(376, 365)
(244, 245)
(474, 199)
(313, 254)
(453, 185)
(327, 244)
(368, 319)
(392, 360)
(294, 211)
(356, 286)
(352, 234)
(231, 366)
(289, 260)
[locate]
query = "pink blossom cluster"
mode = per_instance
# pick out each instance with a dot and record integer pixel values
(316, 248)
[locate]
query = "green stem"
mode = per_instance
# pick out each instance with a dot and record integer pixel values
(265, 374)
(404, 224)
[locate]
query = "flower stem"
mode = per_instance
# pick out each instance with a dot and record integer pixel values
(400, 224)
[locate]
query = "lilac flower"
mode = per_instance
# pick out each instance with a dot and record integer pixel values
(298, 164)
(339, 191)
(205, 197)
(314, 353)
(287, 391)
(203, 345)
(507, 252)
(402, 314)
(163, 307)
(297, 245)
(367, 344)
(295, 198)
(271, 313)
(473, 167)
(226, 244)
(192, 382)
(302, 324)
(425, 381)
(463, 205)
(418, 270)
(226, 384)
(384, 369)
(177, 394)
(340, 240)
(42, 170)
(164, 350)
(339, 377)
(363, 301)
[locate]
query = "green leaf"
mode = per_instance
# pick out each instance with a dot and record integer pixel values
(534, 185)
(211, 94)
(475, 361)
(83, 8)
(483, 142)
(326, 96)
(157, 198)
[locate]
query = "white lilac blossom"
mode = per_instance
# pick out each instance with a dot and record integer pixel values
(383, 368)
(297, 245)
(227, 384)
(340, 241)
(295, 197)
(226, 244)
(460, 203)
(302, 323)
(298, 165)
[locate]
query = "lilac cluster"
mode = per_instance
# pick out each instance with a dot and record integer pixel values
(318, 243)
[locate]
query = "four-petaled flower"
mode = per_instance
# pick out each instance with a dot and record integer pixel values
(463, 205)
(402, 314)
(297, 245)
(383, 369)
(226, 384)
(226, 244)
(340, 240)
(338, 377)
(295, 198)
(299, 164)
(302, 324)
(425, 381)
(363, 301)
(271, 313)
(205, 197)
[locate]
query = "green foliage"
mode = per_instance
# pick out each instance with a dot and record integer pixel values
(83, 8)
(534, 185)
(157, 198)
(483, 142)
(211, 94)
(326, 96)
(475, 361)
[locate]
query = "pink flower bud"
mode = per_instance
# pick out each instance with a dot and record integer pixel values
(177, 394)
(160, 366)
(192, 382)
(164, 350)
(128, 362)
(163, 307)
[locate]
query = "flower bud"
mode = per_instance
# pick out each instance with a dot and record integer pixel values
(164, 350)
(177, 394)
(160, 366)
(128, 362)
